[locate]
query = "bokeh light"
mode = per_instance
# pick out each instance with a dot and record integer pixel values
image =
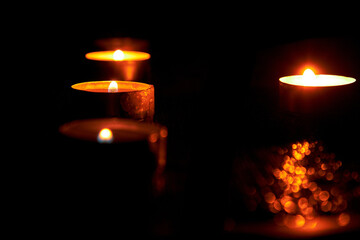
(307, 183)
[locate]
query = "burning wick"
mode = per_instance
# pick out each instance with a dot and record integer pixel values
(105, 136)
(118, 55)
(113, 87)
(309, 78)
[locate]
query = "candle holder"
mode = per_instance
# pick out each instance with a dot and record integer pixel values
(111, 174)
(127, 100)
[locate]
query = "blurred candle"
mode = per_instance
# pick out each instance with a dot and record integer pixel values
(123, 64)
(119, 131)
(110, 171)
(118, 55)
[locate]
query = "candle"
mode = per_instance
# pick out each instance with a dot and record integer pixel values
(113, 98)
(110, 171)
(309, 79)
(117, 131)
(121, 64)
(118, 55)
(316, 96)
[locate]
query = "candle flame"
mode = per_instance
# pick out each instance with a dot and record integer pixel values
(113, 87)
(118, 55)
(105, 136)
(309, 78)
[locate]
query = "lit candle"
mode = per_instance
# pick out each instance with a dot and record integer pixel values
(113, 130)
(110, 170)
(309, 79)
(118, 55)
(125, 65)
(120, 131)
(117, 98)
(315, 94)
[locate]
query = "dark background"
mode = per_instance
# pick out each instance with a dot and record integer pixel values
(215, 70)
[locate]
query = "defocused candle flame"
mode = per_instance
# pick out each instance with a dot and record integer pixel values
(118, 55)
(105, 136)
(113, 87)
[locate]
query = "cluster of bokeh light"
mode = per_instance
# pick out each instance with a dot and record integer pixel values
(308, 184)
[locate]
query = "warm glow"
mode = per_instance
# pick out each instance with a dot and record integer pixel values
(299, 221)
(294, 221)
(113, 87)
(309, 79)
(270, 197)
(290, 207)
(343, 219)
(324, 195)
(105, 136)
(297, 195)
(163, 132)
(303, 203)
(118, 55)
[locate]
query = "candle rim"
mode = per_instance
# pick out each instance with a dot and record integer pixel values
(345, 80)
(108, 55)
(84, 86)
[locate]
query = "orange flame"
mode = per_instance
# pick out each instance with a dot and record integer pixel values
(309, 77)
(113, 87)
(105, 136)
(118, 55)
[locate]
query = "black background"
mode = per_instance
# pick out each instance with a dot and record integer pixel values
(215, 70)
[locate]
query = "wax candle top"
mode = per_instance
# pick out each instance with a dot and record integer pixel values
(118, 55)
(111, 86)
(309, 79)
